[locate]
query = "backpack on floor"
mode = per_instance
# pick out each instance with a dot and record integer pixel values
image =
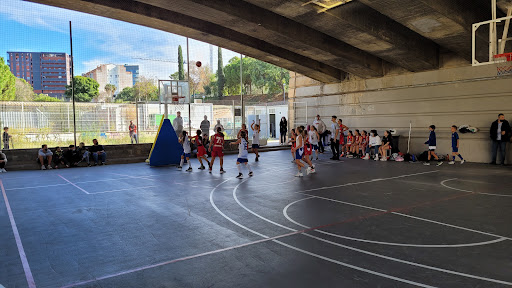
(423, 156)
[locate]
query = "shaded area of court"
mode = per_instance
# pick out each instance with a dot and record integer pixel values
(352, 224)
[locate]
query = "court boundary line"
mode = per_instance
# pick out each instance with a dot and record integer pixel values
(380, 213)
(80, 188)
(481, 193)
(285, 213)
(21, 251)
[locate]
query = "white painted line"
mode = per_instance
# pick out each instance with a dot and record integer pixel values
(21, 251)
(353, 248)
(285, 213)
(458, 189)
(117, 190)
(368, 181)
(81, 189)
(307, 252)
(409, 216)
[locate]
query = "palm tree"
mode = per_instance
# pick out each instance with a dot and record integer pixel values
(110, 89)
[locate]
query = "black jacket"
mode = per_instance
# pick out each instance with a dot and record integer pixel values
(504, 127)
(283, 126)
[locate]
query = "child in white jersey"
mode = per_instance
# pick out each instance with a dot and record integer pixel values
(243, 145)
(313, 139)
(299, 152)
(255, 139)
(186, 151)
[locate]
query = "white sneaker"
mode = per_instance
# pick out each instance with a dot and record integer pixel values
(367, 157)
(384, 159)
(50, 167)
(313, 170)
(299, 174)
(308, 170)
(376, 158)
(426, 163)
(439, 163)
(451, 162)
(462, 161)
(42, 167)
(3, 170)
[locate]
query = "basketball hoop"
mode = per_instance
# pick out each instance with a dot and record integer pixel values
(503, 64)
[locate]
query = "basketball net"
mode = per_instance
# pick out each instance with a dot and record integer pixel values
(503, 63)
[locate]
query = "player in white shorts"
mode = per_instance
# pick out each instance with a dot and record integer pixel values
(242, 155)
(313, 139)
(255, 139)
(186, 151)
(299, 152)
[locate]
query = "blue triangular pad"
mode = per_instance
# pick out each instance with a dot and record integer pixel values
(166, 149)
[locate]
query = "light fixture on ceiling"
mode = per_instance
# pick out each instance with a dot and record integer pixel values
(327, 4)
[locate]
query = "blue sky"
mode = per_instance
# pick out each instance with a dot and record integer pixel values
(30, 27)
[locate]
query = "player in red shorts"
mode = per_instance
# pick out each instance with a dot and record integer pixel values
(350, 144)
(293, 142)
(201, 151)
(343, 128)
(216, 146)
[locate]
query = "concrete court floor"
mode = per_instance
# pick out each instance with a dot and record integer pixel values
(354, 223)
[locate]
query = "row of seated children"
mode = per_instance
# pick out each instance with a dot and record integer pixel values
(360, 144)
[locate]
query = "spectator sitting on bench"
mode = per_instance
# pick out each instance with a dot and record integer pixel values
(98, 152)
(44, 157)
(59, 158)
(82, 154)
(386, 145)
(71, 155)
(3, 161)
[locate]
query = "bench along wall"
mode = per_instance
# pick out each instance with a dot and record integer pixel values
(445, 97)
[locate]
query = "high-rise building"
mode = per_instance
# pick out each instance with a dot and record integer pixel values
(111, 74)
(47, 72)
(135, 72)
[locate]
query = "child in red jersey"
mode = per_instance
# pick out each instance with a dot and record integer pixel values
(216, 146)
(292, 140)
(364, 142)
(342, 130)
(201, 151)
(349, 145)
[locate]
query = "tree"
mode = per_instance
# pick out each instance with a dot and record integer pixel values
(85, 89)
(220, 74)
(175, 76)
(7, 82)
(181, 71)
(46, 98)
(127, 94)
(24, 91)
(199, 78)
(146, 89)
(110, 89)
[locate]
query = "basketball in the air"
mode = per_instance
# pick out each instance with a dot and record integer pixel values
(198, 63)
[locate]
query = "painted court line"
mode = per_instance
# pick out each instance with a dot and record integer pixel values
(285, 213)
(21, 251)
(458, 189)
(381, 212)
(117, 190)
(367, 181)
(80, 188)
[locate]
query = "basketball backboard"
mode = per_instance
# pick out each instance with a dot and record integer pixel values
(173, 92)
(493, 38)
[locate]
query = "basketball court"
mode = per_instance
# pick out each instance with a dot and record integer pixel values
(354, 223)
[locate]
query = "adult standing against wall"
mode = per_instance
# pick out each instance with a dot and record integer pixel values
(322, 131)
(500, 135)
(283, 129)
(205, 126)
(133, 132)
(178, 124)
